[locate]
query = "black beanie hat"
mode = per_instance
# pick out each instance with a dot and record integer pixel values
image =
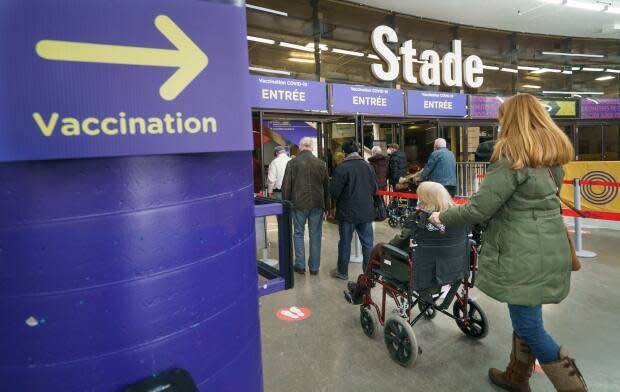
(349, 147)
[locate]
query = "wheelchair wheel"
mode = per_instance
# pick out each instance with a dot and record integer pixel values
(430, 313)
(400, 340)
(402, 221)
(478, 323)
(368, 319)
(393, 222)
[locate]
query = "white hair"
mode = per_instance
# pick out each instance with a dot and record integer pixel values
(306, 143)
(376, 150)
(440, 143)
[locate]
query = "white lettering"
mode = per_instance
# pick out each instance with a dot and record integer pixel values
(473, 67)
(384, 53)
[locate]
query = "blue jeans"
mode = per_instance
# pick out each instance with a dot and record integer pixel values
(527, 322)
(314, 216)
(366, 236)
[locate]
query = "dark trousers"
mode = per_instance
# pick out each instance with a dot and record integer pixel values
(366, 236)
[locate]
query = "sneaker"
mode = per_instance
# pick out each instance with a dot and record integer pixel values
(338, 275)
(300, 271)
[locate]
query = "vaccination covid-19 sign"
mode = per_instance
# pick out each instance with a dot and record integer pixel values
(110, 78)
(290, 94)
(352, 99)
(435, 103)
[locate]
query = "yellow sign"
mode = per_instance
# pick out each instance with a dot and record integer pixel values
(187, 57)
(599, 189)
(560, 108)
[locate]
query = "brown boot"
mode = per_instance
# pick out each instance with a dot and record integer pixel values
(564, 374)
(516, 378)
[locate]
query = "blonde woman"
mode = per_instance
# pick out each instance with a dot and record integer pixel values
(525, 259)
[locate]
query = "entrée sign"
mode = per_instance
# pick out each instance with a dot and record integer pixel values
(451, 70)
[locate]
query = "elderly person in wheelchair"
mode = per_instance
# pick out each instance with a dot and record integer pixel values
(411, 270)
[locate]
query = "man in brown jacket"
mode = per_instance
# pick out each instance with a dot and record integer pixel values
(305, 185)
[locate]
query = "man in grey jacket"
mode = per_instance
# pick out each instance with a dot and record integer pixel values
(441, 167)
(305, 185)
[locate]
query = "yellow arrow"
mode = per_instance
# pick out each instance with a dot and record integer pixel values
(187, 57)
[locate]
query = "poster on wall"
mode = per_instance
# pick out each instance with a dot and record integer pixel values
(354, 99)
(287, 94)
(289, 134)
(594, 108)
(435, 103)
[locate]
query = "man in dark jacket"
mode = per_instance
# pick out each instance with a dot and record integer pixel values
(441, 167)
(397, 164)
(353, 187)
(305, 185)
(379, 163)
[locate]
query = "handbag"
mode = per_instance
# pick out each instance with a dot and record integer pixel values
(575, 262)
(381, 213)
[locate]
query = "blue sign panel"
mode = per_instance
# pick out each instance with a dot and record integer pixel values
(290, 94)
(351, 99)
(105, 78)
(434, 103)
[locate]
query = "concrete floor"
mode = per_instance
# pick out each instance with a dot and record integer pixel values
(329, 352)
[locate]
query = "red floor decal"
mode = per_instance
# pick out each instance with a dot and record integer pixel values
(293, 314)
(537, 368)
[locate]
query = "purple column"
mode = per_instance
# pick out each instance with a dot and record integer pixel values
(115, 269)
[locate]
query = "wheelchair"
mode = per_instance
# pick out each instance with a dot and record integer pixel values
(410, 279)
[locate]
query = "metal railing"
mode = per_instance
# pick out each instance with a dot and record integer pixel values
(468, 177)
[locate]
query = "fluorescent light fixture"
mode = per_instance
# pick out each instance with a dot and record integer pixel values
(592, 69)
(321, 46)
(295, 46)
(300, 60)
(348, 52)
(261, 40)
(574, 54)
(567, 72)
(527, 68)
(373, 56)
(602, 78)
(530, 86)
(268, 10)
(267, 70)
(613, 10)
(584, 6)
(576, 68)
(492, 67)
(545, 70)
(575, 93)
(612, 70)
(509, 70)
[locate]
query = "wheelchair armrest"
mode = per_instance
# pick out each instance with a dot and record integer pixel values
(395, 252)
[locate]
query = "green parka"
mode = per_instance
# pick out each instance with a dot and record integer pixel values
(525, 257)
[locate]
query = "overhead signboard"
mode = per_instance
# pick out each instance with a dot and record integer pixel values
(433, 103)
(559, 108)
(167, 78)
(595, 108)
(287, 94)
(487, 107)
(352, 99)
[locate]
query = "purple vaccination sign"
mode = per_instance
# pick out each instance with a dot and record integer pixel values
(351, 99)
(434, 103)
(291, 94)
(595, 108)
(482, 106)
(109, 78)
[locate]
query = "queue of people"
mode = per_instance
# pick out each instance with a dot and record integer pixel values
(525, 259)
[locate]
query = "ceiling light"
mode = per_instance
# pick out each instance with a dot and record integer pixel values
(602, 78)
(526, 68)
(567, 72)
(576, 95)
(492, 67)
(544, 70)
(613, 10)
(321, 46)
(373, 56)
(584, 6)
(530, 86)
(574, 92)
(295, 46)
(576, 68)
(267, 70)
(348, 52)
(573, 54)
(612, 70)
(262, 40)
(268, 10)
(592, 69)
(300, 60)
(509, 70)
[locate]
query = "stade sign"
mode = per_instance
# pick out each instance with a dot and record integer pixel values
(450, 70)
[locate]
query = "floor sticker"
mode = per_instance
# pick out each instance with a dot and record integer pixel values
(293, 314)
